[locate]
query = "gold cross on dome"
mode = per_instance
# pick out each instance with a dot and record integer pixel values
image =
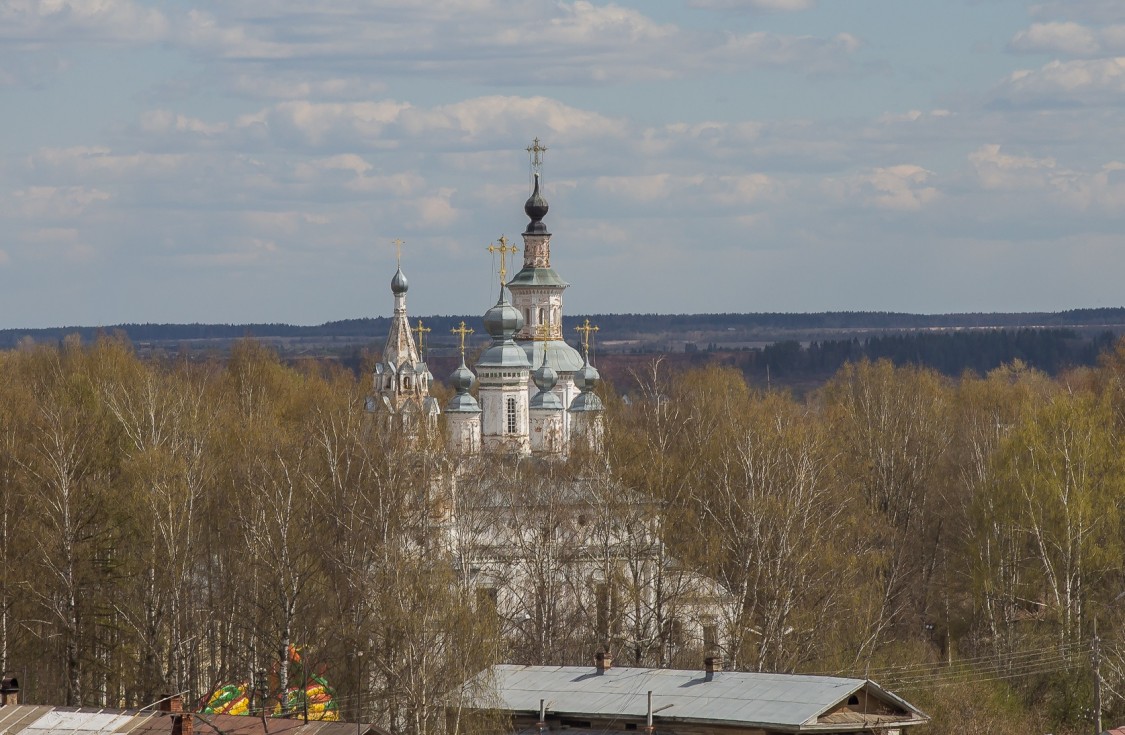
(585, 330)
(543, 332)
(398, 243)
(422, 331)
(536, 152)
(504, 250)
(462, 331)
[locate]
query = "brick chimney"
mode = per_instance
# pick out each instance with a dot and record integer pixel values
(711, 666)
(603, 661)
(9, 690)
(173, 704)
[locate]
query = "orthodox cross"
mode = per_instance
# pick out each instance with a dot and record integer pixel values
(586, 329)
(536, 152)
(503, 249)
(462, 332)
(422, 331)
(398, 243)
(543, 332)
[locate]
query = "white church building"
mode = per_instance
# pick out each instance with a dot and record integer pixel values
(535, 391)
(576, 558)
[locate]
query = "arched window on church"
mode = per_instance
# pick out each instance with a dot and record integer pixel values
(511, 415)
(540, 315)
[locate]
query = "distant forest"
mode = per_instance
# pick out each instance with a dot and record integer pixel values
(613, 326)
(951, 353)
(782, 349)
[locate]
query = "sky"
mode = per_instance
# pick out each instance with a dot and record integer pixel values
(253, 160)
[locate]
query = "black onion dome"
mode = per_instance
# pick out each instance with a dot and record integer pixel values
(503, 320)
(536, 208)
(399, 284)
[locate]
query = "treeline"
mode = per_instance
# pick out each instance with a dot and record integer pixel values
(950, 353)
(170, 525)
(627, 323)
(613, 326)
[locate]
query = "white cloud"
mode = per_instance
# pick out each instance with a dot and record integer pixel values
(911, 116)
(435, 210)
(92, 20)
(1099, 11)
(997, 170)
(232, 252)
(1070, 39)
(1057, 38)
(583, 23)
(651, 188)
(54, 202)
(1065, 83)
(768, 5)
(278, 84)
(160, 121)
(101, 160)
(357, 165)
(695, 191)
(902, 187)
(739, 191)
(768, 49)
(385, 123)
(493, 43)
(1053, 187)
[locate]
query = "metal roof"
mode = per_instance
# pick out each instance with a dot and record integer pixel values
(560, 355)
(28, 719)
(786, 701)
(537, 277)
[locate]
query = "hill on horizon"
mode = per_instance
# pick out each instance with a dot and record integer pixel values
(639, 329)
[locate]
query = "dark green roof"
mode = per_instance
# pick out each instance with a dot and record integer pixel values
(537, 277)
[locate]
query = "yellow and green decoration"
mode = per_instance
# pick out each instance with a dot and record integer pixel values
(317, 697)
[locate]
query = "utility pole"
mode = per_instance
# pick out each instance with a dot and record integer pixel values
(1095, 655)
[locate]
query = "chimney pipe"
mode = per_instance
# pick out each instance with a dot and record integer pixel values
(603, 660)
(9, 690)
(173, 704)
(711, 666)
(181, 724)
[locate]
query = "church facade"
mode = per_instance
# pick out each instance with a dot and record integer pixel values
(535, 392)
(566, 560)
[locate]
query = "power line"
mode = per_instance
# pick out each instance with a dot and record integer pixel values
(1013, 658)
(986, 659)
(1059, 662)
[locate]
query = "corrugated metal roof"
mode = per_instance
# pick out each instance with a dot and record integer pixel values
(780, 700)
(27, 719)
